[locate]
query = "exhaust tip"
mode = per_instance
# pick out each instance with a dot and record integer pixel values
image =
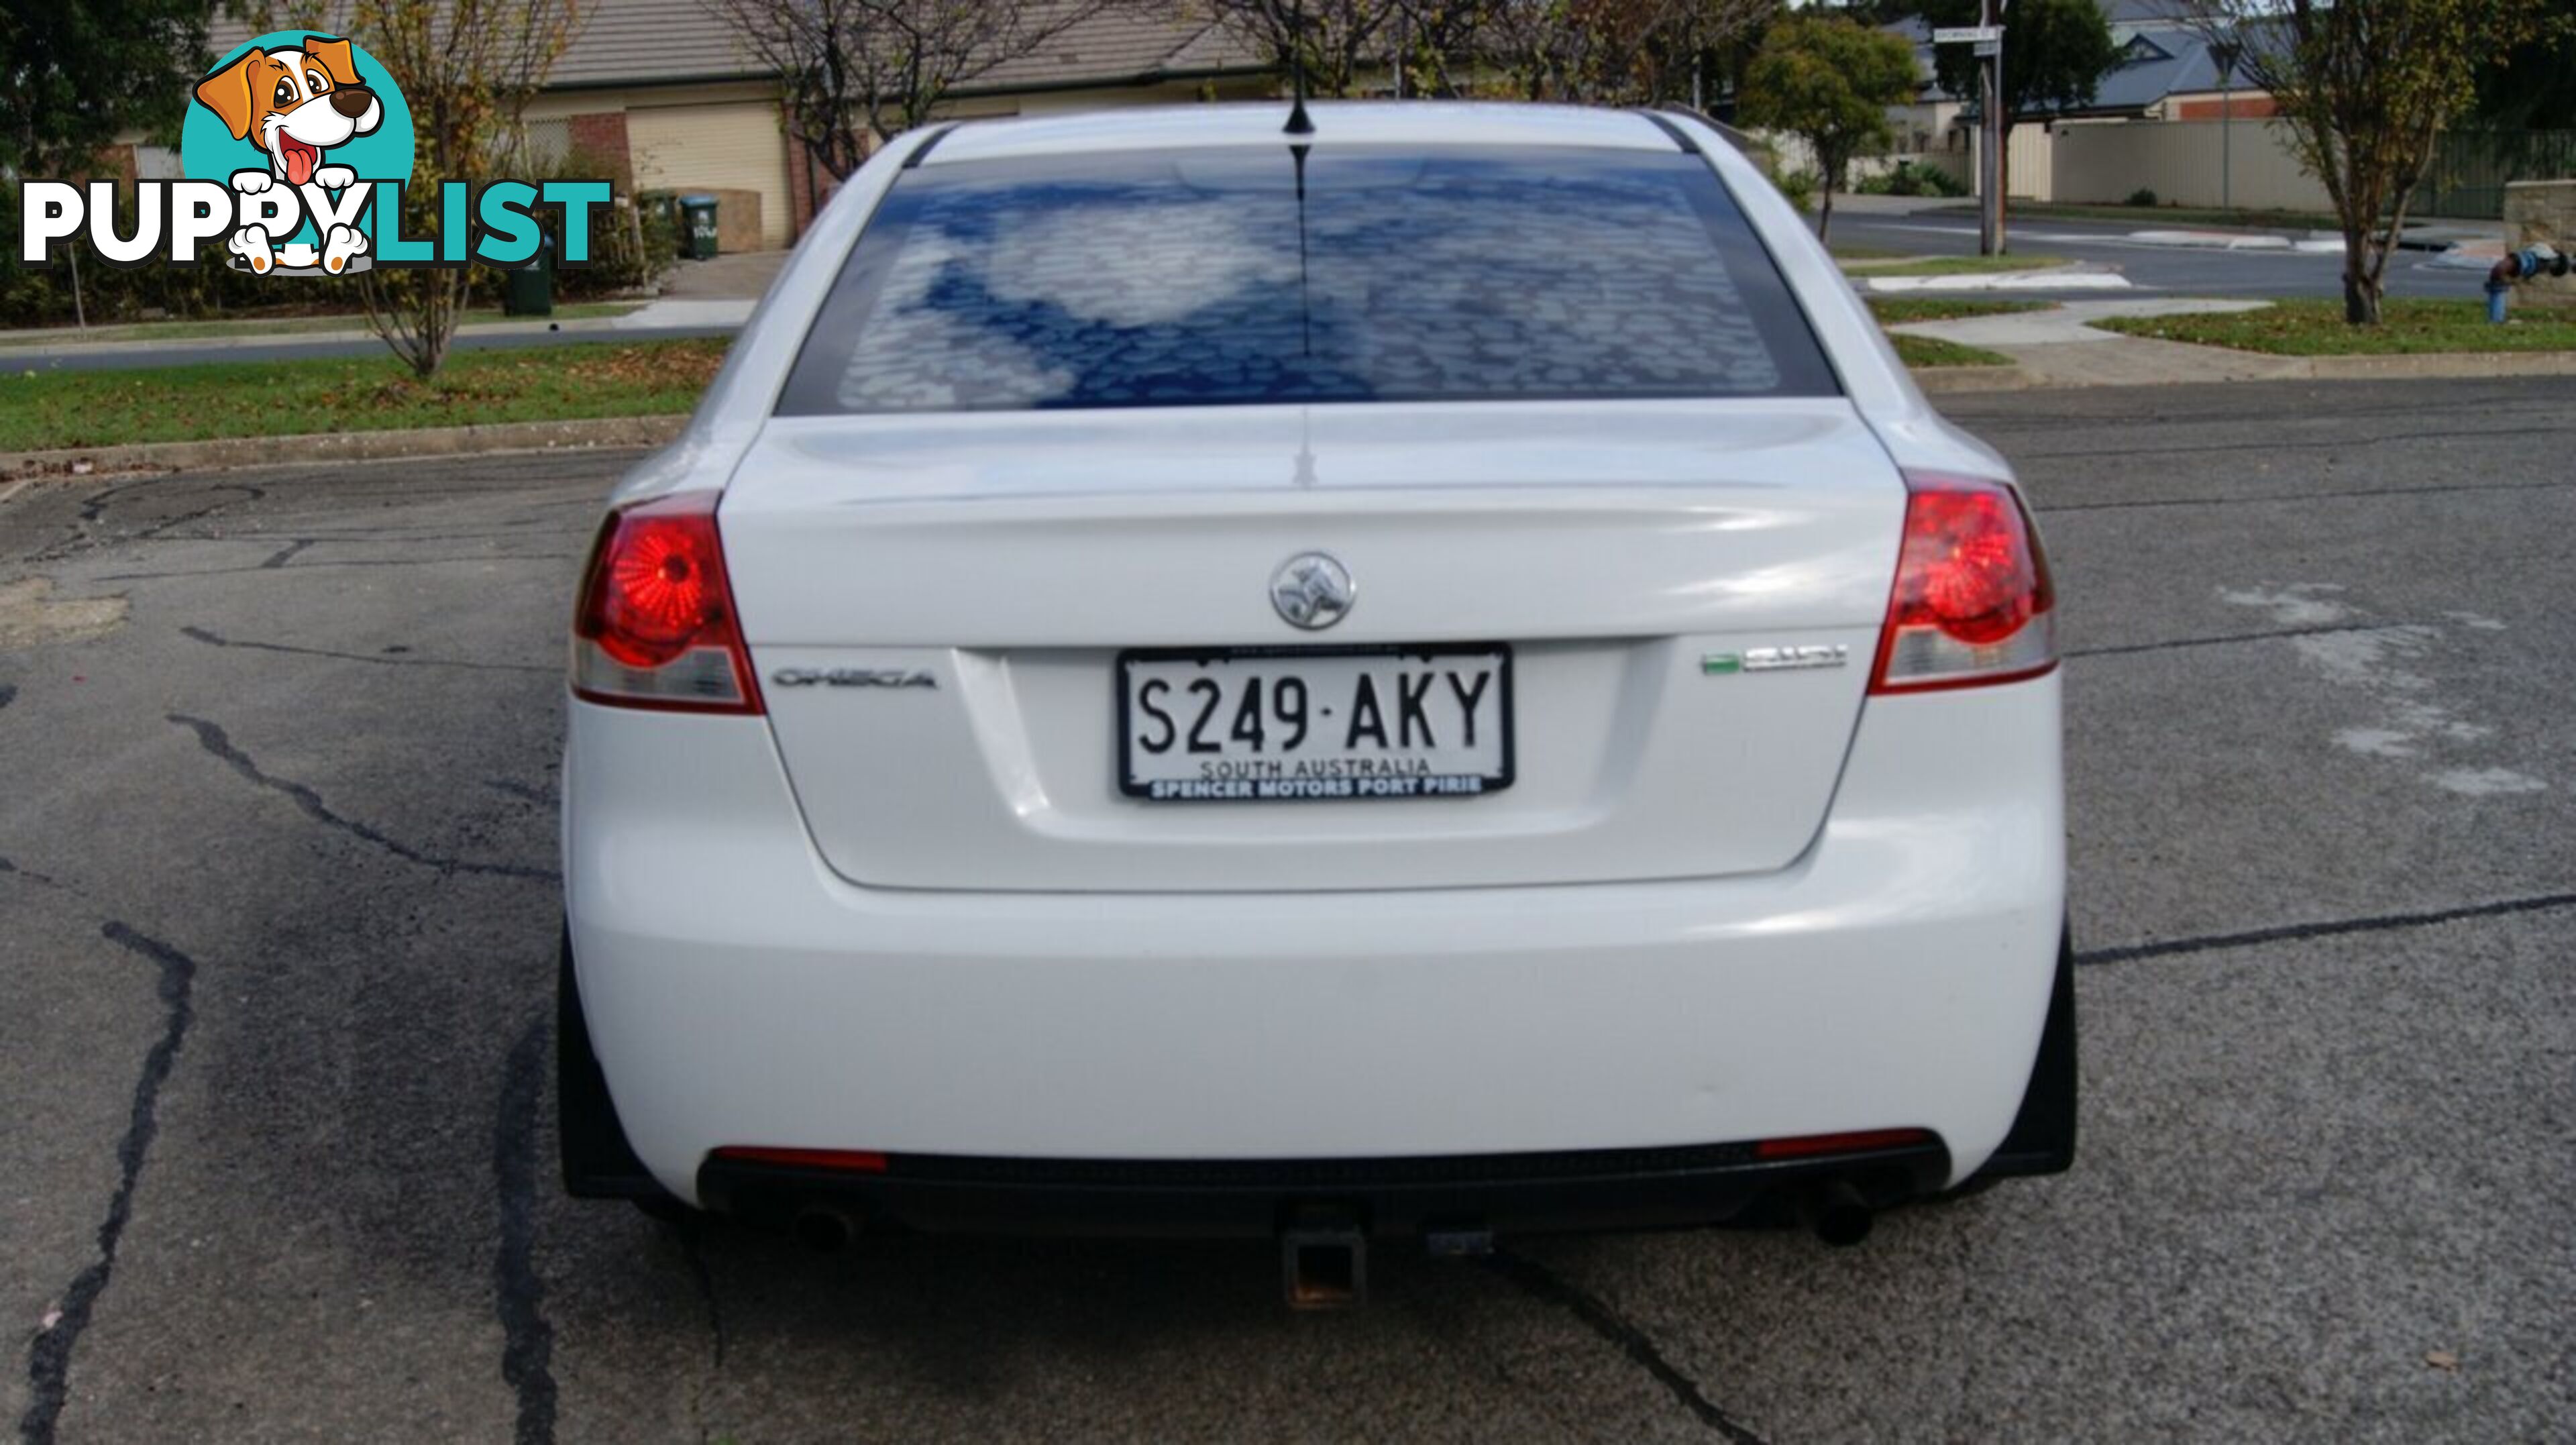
(824, 1231)
(1838, 1214)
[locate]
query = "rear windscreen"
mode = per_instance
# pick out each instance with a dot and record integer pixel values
(1220, 277)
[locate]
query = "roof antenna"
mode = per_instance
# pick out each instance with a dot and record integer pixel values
(1299, 123)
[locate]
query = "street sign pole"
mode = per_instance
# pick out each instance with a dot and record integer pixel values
(1988, 40)
(1990, 226)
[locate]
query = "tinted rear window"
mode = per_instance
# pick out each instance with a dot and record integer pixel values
(1217, 277)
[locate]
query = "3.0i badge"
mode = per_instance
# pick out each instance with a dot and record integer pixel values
(1775, 659)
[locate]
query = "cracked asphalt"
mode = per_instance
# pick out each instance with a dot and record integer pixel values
(277, 921)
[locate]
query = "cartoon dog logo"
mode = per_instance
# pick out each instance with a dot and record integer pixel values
(295, 104)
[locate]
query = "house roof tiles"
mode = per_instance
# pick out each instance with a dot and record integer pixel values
(645, 42)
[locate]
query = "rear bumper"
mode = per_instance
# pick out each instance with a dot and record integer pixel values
(738, 993)
(1391, 1198)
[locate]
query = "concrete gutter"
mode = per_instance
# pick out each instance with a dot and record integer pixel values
(2064, 278)
(2440, 364)
(352, 446)
(1937, 380)
(19, 346)
(685, 313)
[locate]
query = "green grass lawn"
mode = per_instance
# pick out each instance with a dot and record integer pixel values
(44, 410)
(1897, 310)
(2317, 328)
(1962, 266)
(280, 325)
(1842, 252)
(1930, 351)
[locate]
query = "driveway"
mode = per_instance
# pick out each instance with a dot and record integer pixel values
(277, 790)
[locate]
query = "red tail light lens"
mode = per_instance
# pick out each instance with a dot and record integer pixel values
(656, 625)
(1972, 603)
(849, 1161)
(1861, 1142)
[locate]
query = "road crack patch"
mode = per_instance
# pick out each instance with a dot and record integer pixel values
(2297, 932)
(2226, 640)
(29, 615)
(2415, 719)
(406, 659)
(528, 1341)
(2272, 498)
(213, 739)
(49, 1356)
(1539, 1282)
(10, 869)
(692, 1231)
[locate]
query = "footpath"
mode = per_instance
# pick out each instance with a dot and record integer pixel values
(2057, 348)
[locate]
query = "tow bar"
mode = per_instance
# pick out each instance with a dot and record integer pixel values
(1324, 1257)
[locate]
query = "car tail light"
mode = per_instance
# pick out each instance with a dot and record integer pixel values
(1972, 603)
(656, 626)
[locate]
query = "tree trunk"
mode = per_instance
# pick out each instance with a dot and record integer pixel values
(1825, 206)
(2360, 288)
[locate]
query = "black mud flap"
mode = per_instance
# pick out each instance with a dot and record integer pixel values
(598, 1163)
(2042, 1139)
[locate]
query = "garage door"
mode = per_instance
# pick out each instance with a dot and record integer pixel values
(691, 147)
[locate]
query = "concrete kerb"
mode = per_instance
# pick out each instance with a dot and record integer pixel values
(1941, 380)
(335, 447)
(2056, 278)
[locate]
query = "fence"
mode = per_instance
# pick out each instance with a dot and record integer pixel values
(2244, 163)
(2471, 168)
(2249, 163)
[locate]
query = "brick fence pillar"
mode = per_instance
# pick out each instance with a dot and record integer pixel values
(2536, 211)
(603, 134)
(809, 186)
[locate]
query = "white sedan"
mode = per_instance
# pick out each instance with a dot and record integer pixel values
(1427, 674)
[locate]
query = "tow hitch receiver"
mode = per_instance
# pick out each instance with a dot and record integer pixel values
(1325, 1260)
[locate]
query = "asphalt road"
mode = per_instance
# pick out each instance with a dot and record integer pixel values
(2156, 269)
(277, 783)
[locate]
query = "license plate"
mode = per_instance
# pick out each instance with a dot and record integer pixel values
(1263, 725)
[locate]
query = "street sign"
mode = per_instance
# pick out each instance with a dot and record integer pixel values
(1967, 34)
(1987, 49)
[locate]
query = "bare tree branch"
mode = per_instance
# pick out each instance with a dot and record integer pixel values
(858, 70)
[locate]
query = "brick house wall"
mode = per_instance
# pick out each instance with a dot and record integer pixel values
(603, 134)
(809, 187)
(2243, 107)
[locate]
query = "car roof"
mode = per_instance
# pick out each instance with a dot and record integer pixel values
(1337, 123)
